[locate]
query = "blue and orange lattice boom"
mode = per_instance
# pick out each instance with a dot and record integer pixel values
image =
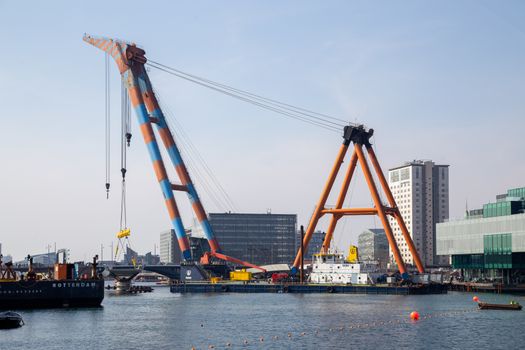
(130, 61)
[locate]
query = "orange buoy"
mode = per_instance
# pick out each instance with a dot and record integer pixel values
(475, 298)
(414, 315)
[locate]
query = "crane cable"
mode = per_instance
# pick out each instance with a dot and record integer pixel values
(323, 117)
(107, 124)
(125, 139)
(206, 177)
(321, 120)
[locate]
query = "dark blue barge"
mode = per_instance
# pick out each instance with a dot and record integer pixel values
(306, 288)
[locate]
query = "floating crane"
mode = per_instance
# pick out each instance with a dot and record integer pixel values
(130, 61)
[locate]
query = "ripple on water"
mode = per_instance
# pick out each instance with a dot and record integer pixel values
(163, 320)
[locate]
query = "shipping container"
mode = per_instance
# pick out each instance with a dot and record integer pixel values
(242, 275)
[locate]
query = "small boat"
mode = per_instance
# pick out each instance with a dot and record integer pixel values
(511, 306)
(10, 319)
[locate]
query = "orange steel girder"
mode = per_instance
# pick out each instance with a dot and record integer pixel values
(394, 208)
(359, 136)
(339, 204)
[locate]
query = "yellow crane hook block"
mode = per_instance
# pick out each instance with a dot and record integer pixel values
(124, 233)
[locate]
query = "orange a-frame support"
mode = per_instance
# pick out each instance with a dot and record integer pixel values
(360, 137)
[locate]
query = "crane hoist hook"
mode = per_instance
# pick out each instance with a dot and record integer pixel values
(128, 138)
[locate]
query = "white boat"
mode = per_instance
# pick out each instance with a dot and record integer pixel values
(332, 268)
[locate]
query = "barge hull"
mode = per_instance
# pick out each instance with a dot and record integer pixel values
(305, 288)
(51, 294)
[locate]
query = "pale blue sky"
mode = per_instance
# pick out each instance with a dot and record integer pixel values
(441, 80)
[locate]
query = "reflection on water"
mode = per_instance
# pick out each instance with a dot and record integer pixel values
(163, 320)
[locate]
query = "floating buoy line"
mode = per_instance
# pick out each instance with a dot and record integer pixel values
(287, 336)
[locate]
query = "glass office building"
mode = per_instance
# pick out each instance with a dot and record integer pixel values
(489, 244)
(260, 239)
(314, 247)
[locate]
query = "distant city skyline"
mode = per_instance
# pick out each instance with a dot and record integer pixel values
(440, 81)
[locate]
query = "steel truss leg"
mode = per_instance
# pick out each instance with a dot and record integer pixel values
(380, 210)
(321, 203)
(339, 204)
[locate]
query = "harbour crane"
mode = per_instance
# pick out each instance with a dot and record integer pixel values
(130, 61)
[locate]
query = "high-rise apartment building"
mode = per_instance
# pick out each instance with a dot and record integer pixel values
(421, 191)
(168, 249)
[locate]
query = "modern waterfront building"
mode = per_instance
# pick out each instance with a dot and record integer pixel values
(130, 256)
(490, 242)
(421, 191)
(315, 245)
(260, 239)
(372, 245)
(150, 259)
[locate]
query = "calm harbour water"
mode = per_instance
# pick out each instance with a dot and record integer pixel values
(161, 320)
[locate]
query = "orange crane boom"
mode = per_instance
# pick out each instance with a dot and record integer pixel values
(205, 260)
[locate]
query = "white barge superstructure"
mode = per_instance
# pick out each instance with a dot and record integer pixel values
(332, 268)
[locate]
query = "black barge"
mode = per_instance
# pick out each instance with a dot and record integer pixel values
(51, 294)
(62, 289)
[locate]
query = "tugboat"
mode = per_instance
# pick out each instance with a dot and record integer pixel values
(64, 289)
(10, 319)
